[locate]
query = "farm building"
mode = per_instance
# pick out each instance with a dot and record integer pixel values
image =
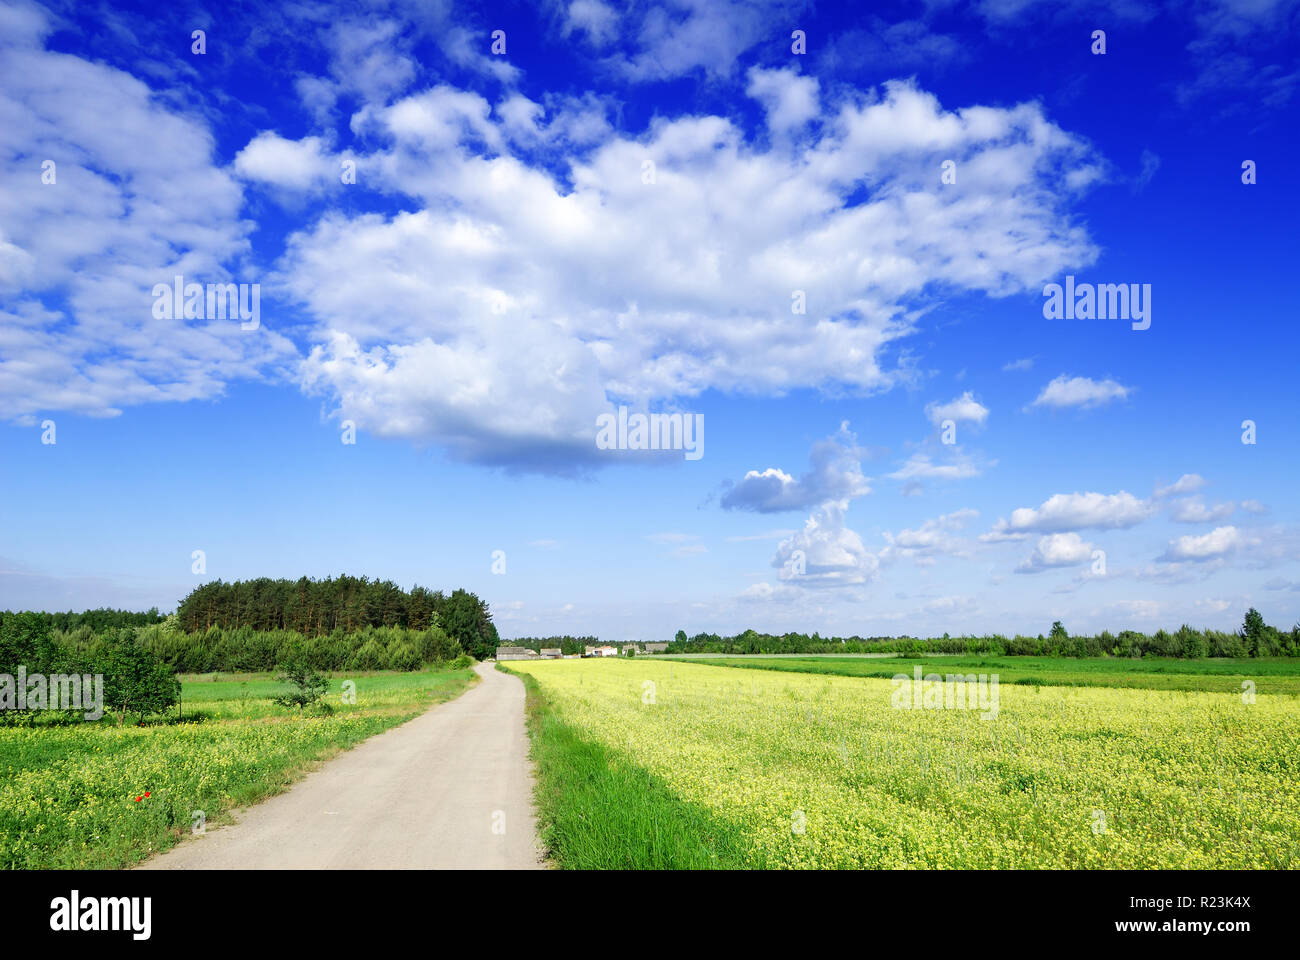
(516, 653)
(656, 648)
(551, 653)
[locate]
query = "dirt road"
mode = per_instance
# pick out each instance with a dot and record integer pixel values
(451, 788)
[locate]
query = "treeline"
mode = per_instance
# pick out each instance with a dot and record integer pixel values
(245, 650)
(338, 605)
(104, 619)
(135, 681)
(1255, 639)
(566, 643)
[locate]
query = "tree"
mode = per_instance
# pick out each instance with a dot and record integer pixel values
(25, 641)
(466, 619)
(135, 678)
(1253, 630)
(309, 686)
(681, 637)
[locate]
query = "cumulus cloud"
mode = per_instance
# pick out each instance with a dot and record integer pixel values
(1073, 511)
(934, 536)
(137, 200)
(623, 288)
(1080, 392)
(825, 552)
(789, 99)
(963, 409)
(532, 276)
(1187, 483)
(1215, 545)
(1057, 550)
(836, 474)
(294, 164)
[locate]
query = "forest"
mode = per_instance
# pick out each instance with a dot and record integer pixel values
(343, 604)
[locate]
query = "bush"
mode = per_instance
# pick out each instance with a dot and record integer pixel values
(402, 656)
(369, 656)
(434, 646)
(308, 685)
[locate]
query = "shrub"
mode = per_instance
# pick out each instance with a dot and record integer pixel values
(308, 685)
(402, 656)
(369, 656)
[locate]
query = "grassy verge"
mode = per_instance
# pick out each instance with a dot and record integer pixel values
(68, 794)
(598, 811)
(1269, 674)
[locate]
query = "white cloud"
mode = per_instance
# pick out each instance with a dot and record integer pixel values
(836, 474)
(1024, 363)
(620, 288)
(1214, 545)
(771, 591)
(295, 164)
(137, 200)
(789, 99)
(1073, 511)
(934, 536)
(1080, 392)
(833, 555)
(1253, 506)
(696, 35)
(963, 409)
(1194, 510)
(1057, 550)
(597, 20)
(1187, 483)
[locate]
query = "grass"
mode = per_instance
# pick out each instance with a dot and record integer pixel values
(597, 811)
(681, 765)
(68, 793)
(1279, 675)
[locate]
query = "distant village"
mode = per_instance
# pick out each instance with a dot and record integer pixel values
(630, 648)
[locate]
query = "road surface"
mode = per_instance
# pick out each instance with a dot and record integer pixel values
(450, 789)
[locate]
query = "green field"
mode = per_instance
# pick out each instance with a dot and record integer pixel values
(68, 794)
(673, 763)
(1269, 674)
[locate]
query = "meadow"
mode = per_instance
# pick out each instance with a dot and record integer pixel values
(663, 763)
(95, 795)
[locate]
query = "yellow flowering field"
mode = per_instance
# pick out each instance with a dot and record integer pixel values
(819, 771)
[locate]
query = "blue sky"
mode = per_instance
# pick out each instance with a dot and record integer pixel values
(619, 210)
